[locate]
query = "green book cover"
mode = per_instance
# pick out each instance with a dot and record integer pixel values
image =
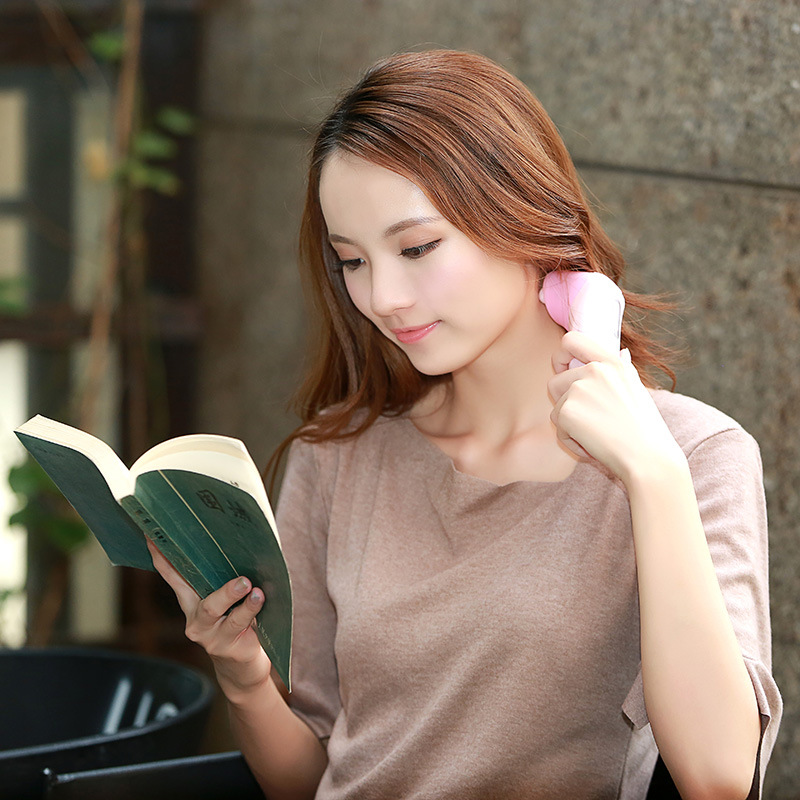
(82, 483)
(222, 531)
(211, 529)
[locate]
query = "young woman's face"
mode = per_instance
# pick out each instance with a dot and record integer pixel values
(425, 285)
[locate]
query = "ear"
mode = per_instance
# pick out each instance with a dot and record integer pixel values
(534, 272)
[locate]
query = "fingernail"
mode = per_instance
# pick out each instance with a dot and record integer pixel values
(255, 597)
(242, 586)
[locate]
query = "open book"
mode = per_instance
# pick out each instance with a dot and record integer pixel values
(200, 498)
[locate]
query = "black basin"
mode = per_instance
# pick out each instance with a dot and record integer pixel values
(70, 710)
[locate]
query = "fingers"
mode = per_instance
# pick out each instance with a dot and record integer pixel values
(583, 395)
(187, 597)
(219, 603)
(565, 439)
(215, 616)
(577, 346)
(223, 624)
(240, 619)
(219, 631)
(602, 409)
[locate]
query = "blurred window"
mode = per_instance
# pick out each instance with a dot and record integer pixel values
(13, 366)
(36, 256)
(55, 182)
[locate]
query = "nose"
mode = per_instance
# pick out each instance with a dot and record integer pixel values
(391, 288)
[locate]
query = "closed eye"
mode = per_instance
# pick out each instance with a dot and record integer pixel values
(348, 264)
(420, 250)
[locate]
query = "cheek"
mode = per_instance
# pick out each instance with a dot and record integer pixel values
(489, 297)
(359, 291)
(467, 283)
(448, 285)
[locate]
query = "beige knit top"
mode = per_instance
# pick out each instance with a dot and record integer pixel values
(459, 639)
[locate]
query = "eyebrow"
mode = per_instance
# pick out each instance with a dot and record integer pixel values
(392, 230)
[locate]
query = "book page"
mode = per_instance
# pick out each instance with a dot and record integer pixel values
(220, 457)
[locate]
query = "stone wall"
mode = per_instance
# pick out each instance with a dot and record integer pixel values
(682, 118)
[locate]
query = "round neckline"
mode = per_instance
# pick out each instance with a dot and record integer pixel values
(477, 481)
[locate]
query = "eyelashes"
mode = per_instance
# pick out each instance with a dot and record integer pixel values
(418, 251)
(348, 264)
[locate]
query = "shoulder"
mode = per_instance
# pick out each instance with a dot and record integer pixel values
(347, 466)
(697, 426)
(332, 456)
(726, 468)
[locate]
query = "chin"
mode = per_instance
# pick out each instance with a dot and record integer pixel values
(436, 366)
(441, 359)
(433, 373)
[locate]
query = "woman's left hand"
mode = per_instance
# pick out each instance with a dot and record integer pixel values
(604, 410)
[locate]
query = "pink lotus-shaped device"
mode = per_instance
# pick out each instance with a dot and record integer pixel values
(589, 302)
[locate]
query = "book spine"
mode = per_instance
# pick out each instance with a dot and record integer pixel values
(153, 530)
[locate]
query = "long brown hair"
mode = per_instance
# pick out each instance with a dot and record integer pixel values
(490, 159)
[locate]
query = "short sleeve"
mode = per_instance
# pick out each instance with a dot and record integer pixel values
(727, 475)
(302, 518)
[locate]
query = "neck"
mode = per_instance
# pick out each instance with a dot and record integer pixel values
(503, 393)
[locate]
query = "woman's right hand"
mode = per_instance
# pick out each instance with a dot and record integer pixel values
(225, 633)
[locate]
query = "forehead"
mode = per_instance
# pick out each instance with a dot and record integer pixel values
(353, 191)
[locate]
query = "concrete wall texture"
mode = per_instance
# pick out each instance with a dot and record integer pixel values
(682, 118)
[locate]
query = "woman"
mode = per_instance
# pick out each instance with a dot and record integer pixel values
(504, 569)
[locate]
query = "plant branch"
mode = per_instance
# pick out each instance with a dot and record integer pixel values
(70, 41)
(100, 337)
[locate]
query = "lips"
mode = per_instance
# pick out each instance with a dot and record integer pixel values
(411, 335)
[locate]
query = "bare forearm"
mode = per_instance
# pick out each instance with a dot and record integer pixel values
(699, 696)
(283, 753)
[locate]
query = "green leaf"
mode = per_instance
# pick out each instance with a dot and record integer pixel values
(28, 479)
(151, 144)
(7, 594)
(176, 120)
(12, 295)
(12, 307)
(29, 516)
(67, 534)
(143, 176)
(19, 517)
(44, 510)
(107, 45)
